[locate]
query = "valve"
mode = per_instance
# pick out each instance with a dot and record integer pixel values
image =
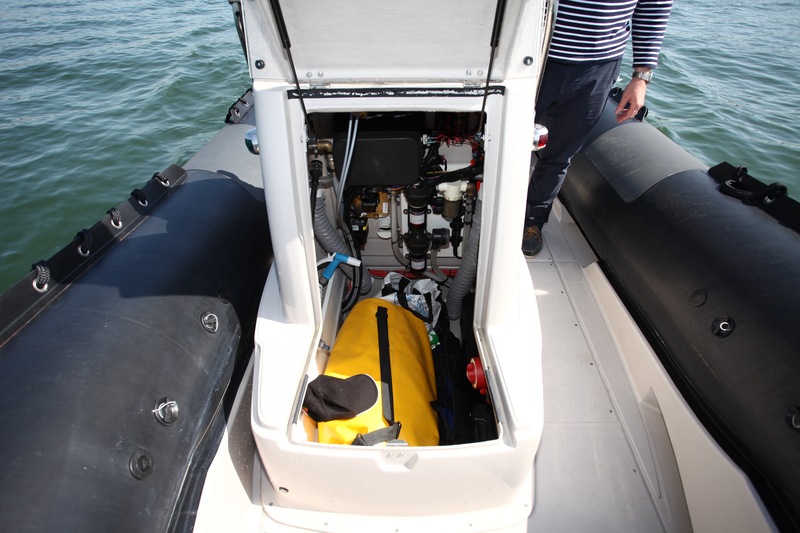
(417, 240)
(476, 376)
(451, 207)
(335, 260)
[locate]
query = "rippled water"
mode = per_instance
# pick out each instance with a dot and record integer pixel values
(96, 96)
(727, 85)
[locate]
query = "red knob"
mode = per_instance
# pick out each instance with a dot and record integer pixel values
(476, 376)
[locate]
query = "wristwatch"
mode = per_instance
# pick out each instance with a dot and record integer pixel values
(646, 76)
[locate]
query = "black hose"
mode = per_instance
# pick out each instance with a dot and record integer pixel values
(351, 297)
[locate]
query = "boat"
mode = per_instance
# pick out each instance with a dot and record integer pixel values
(160, 373)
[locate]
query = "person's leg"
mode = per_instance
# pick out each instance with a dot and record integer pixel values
(570, 102)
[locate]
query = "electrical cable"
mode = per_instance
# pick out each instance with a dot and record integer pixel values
(350, 145)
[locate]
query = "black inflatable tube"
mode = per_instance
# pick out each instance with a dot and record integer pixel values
(715, 284)
(82, 447)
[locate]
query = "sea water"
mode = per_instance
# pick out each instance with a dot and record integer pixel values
(97, 96)
(726, 88)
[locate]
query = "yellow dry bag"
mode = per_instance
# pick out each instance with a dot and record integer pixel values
(391, 345)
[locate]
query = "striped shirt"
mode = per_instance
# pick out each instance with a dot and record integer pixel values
(598, 30)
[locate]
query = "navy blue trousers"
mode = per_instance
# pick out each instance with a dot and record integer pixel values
(571, 99)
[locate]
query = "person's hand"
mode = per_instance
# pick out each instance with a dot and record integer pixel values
(632, 99)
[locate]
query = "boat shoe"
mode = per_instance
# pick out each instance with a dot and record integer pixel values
(532, 241)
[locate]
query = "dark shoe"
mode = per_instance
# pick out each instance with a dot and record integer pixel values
(532, 241)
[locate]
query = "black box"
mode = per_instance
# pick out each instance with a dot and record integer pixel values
(386, 158)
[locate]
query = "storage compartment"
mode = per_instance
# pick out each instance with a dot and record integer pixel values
(339, 124)
(402, 203)
(337, 243)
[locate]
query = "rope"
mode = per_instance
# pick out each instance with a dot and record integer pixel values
(766, 196)
(86, 242)
(161, 179)
(140, 196)
(116, 217)
(42, 276)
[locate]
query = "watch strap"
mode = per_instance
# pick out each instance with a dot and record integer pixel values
(646, 76)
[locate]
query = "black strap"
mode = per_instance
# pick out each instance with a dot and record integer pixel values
(772, 199)
(402, 299)
(402, 283)
(387, 398)
(386, 366)
(378, 436)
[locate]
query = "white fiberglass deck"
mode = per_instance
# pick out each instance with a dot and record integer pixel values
(591, 471)
(620, 450)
